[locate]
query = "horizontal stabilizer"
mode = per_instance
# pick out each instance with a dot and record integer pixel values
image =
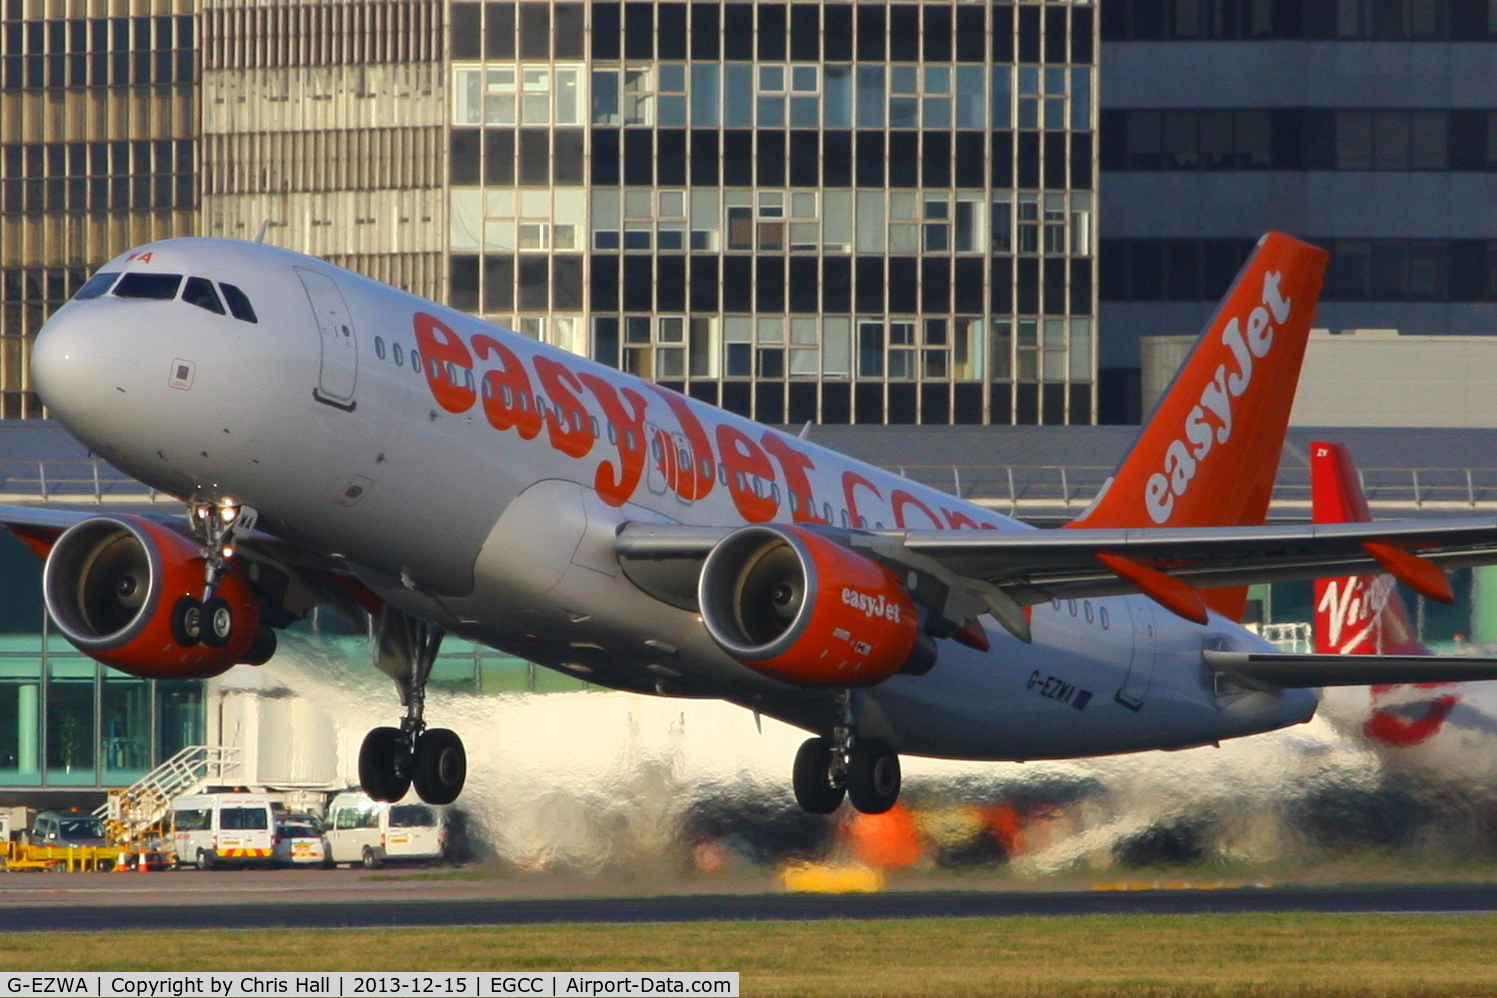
(1294, 671)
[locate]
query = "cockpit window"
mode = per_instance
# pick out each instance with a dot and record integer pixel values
(239, 303)
(148, 286)
(96, 286)
(199, 292)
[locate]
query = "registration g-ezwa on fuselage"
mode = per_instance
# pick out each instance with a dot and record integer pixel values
(449, 476)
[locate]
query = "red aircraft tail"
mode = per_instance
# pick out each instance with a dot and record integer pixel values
(1356, 615)
(1208, 455)
(1365, 615)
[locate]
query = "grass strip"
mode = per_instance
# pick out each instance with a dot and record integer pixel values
(1085, 956)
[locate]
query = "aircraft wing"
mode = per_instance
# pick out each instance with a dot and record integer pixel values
(1290, 670)
(965, 572)
(53, 521)
(1034, 566)
(293, 578)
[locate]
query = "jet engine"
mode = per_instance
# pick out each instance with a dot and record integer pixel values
(804, 609)
(124, 590)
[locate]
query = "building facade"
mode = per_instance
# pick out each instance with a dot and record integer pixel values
(819, 211)
(826, 212)
(1366, 126)
(98, 122)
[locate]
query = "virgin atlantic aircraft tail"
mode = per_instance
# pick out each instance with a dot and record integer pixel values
(1365, 615)
(1355, 615)
(1209, 453)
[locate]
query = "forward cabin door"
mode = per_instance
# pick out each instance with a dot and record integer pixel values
(340, 345)
(1141, 664)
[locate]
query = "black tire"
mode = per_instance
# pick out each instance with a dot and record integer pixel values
(187, 622)
(371, 859)
(382, 748)
(205, 860)
(872, 776)
(812, 778)
(262, 649)
(440, 766)
(218, 622)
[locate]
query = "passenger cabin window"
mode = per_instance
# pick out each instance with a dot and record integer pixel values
(239, 303)
(160, 286)
(199, 292)
(96, 286)
(379, 347)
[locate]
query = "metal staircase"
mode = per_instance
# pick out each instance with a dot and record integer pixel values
(135, 813)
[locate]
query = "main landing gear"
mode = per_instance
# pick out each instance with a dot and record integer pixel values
(211, 620)
(392, 759)
(865, 770)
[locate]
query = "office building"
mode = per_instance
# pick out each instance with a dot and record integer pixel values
(1365, 126)
(98, 117)
(834, 212)
(801, 212)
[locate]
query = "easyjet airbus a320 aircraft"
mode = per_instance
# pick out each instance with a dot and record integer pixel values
(336, 440)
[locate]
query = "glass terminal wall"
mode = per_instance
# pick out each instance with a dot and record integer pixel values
(66, 721)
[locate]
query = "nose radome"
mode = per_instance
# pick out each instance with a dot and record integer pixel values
(76, 361)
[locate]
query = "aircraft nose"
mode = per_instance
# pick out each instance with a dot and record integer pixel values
(79, 361)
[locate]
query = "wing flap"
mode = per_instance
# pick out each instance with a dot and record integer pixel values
(1289, 670)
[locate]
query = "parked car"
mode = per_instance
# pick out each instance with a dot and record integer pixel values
(209, 829)
(299, 841)
(67, 828)
(360, 830)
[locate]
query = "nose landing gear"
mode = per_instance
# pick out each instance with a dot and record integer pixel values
(210, 620)
(391, 760)
(864, 770)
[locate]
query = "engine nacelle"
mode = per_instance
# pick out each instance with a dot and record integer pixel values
(794, 605)
(111, 584)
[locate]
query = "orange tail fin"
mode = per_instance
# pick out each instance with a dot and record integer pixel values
(1355, 615)
(1208, 455)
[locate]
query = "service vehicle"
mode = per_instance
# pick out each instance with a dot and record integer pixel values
(370, 832)
(213, 829)
(67, 828)
(299, 841)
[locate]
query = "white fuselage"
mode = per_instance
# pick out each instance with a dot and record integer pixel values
(483, 490)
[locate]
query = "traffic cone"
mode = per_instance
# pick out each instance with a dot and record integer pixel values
(122, 865)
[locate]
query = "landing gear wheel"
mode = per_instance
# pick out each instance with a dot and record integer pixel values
(218, 622)
(187, 622)
(379, 774)
(371, 859)
(262, 649)
(872, 776)
(440, 766)
(205, 860)
(815, 790)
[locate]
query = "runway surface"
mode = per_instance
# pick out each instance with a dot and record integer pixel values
(296, 899)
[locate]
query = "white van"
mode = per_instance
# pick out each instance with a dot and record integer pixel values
(360, 830)
(209, 829)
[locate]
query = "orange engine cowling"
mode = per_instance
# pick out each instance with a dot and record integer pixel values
(112, 582)
(794, 605)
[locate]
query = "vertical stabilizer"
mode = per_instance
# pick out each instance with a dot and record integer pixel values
(1354, 615)
(1208, 454)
